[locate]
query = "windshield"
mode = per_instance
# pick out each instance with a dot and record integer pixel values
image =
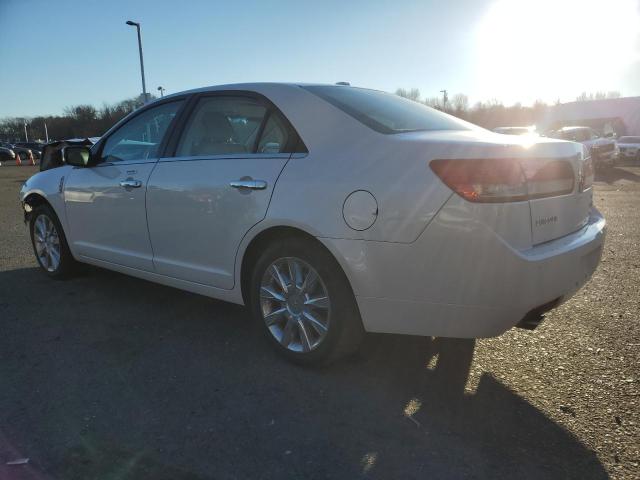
(386, 112)
(629, 140)
(574, 134)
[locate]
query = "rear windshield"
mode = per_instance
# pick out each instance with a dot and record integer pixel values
(629, 140)
(385, 112)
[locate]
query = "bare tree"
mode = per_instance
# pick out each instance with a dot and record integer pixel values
(599, 95)
(413, 94)
(460, 103)
(434, 102)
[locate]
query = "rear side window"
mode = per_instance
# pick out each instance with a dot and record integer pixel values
(275, 136)
(385, 112)
(222, 125)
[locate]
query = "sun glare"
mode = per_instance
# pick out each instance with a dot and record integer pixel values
(550, 49)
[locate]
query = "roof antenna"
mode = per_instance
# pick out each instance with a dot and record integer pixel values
(347, 84)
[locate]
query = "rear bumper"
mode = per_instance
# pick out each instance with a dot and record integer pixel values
(462, 280)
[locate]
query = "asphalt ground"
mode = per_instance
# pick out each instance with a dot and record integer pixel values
(110, 377)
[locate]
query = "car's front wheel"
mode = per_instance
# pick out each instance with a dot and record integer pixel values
(49, 243)
(304, 302)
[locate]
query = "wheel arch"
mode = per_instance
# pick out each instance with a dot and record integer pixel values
(33, 200)
(271, 234)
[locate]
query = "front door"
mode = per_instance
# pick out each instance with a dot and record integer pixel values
(105, 203)
(202, 201)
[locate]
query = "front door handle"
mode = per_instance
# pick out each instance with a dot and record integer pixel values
(130, 183)
(251, 184)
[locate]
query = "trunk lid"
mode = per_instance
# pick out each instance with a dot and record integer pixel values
(558, 203)
(557, 216)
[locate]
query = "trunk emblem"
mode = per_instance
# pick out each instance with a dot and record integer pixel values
(546, 220)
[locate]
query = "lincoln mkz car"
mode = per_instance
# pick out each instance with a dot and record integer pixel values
(329, 211)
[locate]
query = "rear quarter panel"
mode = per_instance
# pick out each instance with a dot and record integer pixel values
(345, 156)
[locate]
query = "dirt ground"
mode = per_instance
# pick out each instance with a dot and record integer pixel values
(106, 376)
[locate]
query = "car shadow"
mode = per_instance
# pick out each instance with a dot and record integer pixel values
(614, 174)
(107, 376)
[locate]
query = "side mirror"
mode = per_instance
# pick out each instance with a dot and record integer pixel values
(77, 156)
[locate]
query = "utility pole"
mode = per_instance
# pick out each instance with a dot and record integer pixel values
(144, 86)
(445, 98)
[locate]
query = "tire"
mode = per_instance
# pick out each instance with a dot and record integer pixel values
(295, 331)
(45, 227)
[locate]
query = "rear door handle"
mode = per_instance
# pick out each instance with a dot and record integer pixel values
(130, 183)
(251, 184)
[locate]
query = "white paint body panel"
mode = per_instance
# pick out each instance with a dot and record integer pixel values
(107, 221)
(431, 263)
(196, 220)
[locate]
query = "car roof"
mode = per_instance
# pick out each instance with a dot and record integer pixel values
(257, 87)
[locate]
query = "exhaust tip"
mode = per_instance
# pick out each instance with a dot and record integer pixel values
(535, 316)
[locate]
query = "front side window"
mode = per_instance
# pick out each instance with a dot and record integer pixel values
(385, 112)
(222, 125)
(140, 137)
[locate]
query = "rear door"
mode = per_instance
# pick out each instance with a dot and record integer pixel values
(202, 199)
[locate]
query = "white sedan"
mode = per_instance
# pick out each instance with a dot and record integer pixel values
(329, 211)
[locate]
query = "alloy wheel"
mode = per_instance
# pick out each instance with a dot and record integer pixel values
(47, 243)
(295, 304)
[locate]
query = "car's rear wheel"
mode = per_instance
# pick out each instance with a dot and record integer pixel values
(304, 302)
(49, 243)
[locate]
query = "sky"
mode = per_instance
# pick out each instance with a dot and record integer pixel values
(55, 54)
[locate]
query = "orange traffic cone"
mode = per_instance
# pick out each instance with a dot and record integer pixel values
(32, 160)
(18, 161)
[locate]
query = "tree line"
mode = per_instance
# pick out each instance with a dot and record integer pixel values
(76, 122)
(87, 121)
(493, 113)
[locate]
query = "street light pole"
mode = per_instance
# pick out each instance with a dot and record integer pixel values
(26, 137)
(161, 90)
(144, 86)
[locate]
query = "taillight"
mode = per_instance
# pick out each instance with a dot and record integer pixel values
(548, 178)
(586, 178)
(499, 180)
(489, 180)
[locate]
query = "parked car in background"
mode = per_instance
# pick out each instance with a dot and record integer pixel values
(35, 147)
(603, 149)
(629, 147)
(516, 131)
(328, 211)
(18, 150)
(6, 154)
